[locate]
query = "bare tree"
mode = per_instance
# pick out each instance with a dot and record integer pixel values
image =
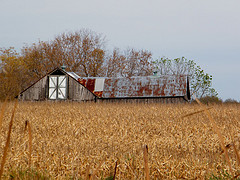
(114, 63)
(129, 63)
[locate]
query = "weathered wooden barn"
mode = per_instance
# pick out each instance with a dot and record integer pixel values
(57, 85)
(62, 85)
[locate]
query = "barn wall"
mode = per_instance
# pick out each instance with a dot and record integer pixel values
(77, 92)
(36, 92)
(39, 91)
(145, 100)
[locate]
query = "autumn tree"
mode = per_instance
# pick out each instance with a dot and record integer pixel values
(81, 51)
(12, 73)
(200, 82)
(84, 52)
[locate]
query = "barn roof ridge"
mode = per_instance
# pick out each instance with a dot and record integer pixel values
(131, 77)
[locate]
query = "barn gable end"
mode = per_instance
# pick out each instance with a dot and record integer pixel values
(57, 85)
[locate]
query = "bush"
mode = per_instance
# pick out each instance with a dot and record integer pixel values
(210, 100)
(231, 101)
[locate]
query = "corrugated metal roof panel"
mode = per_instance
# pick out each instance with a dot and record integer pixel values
(146, 86)
(73, 75)
(99, 84)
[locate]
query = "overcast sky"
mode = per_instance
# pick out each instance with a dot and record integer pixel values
(207, 31)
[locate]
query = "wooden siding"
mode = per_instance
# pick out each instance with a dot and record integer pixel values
(78, 92)
(39, 91)
(35, 92)
(144, 100)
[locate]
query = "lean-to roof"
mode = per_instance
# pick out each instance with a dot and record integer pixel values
(145, 86)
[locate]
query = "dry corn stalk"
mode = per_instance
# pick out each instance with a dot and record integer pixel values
(115, 170)
(190, 114)
(87, 176)
(8, 139)
(145, 157)
(2, 111)
(216, 129)
(28, 126)
(96, 170)
(235, 148)
(176, 145)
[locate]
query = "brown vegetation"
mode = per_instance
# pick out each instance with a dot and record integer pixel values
(88, 140)
(82, 52)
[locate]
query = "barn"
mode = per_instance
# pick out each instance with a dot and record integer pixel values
(60, 85)
(57, 85)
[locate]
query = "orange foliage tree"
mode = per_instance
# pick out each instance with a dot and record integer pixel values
(12, 73)
(82, 52)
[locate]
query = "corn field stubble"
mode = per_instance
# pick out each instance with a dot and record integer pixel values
(73, 140)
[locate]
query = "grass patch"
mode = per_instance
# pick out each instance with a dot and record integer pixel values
(20, 173)
(222, 175)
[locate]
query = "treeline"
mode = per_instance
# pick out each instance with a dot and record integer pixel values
(84, 52)
(216, 100)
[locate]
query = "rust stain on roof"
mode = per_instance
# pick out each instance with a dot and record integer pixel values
(90, 84)
(98, 93)
(83, 82)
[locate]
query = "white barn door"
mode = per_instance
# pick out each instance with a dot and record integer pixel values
(62, 87)
(57, 87)
(52, 87)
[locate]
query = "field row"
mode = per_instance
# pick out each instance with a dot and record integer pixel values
(73, 140)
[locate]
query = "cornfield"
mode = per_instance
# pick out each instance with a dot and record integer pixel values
(70, 140)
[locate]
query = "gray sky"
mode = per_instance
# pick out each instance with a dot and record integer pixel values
(207, 31)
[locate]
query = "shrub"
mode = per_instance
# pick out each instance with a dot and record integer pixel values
(231, 101)
(210, 100)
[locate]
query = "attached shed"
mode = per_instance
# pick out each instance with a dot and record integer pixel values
(164, 89)
(57, 85)
(62, 85)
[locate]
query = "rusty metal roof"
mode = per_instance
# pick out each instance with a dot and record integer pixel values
(144, 86)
